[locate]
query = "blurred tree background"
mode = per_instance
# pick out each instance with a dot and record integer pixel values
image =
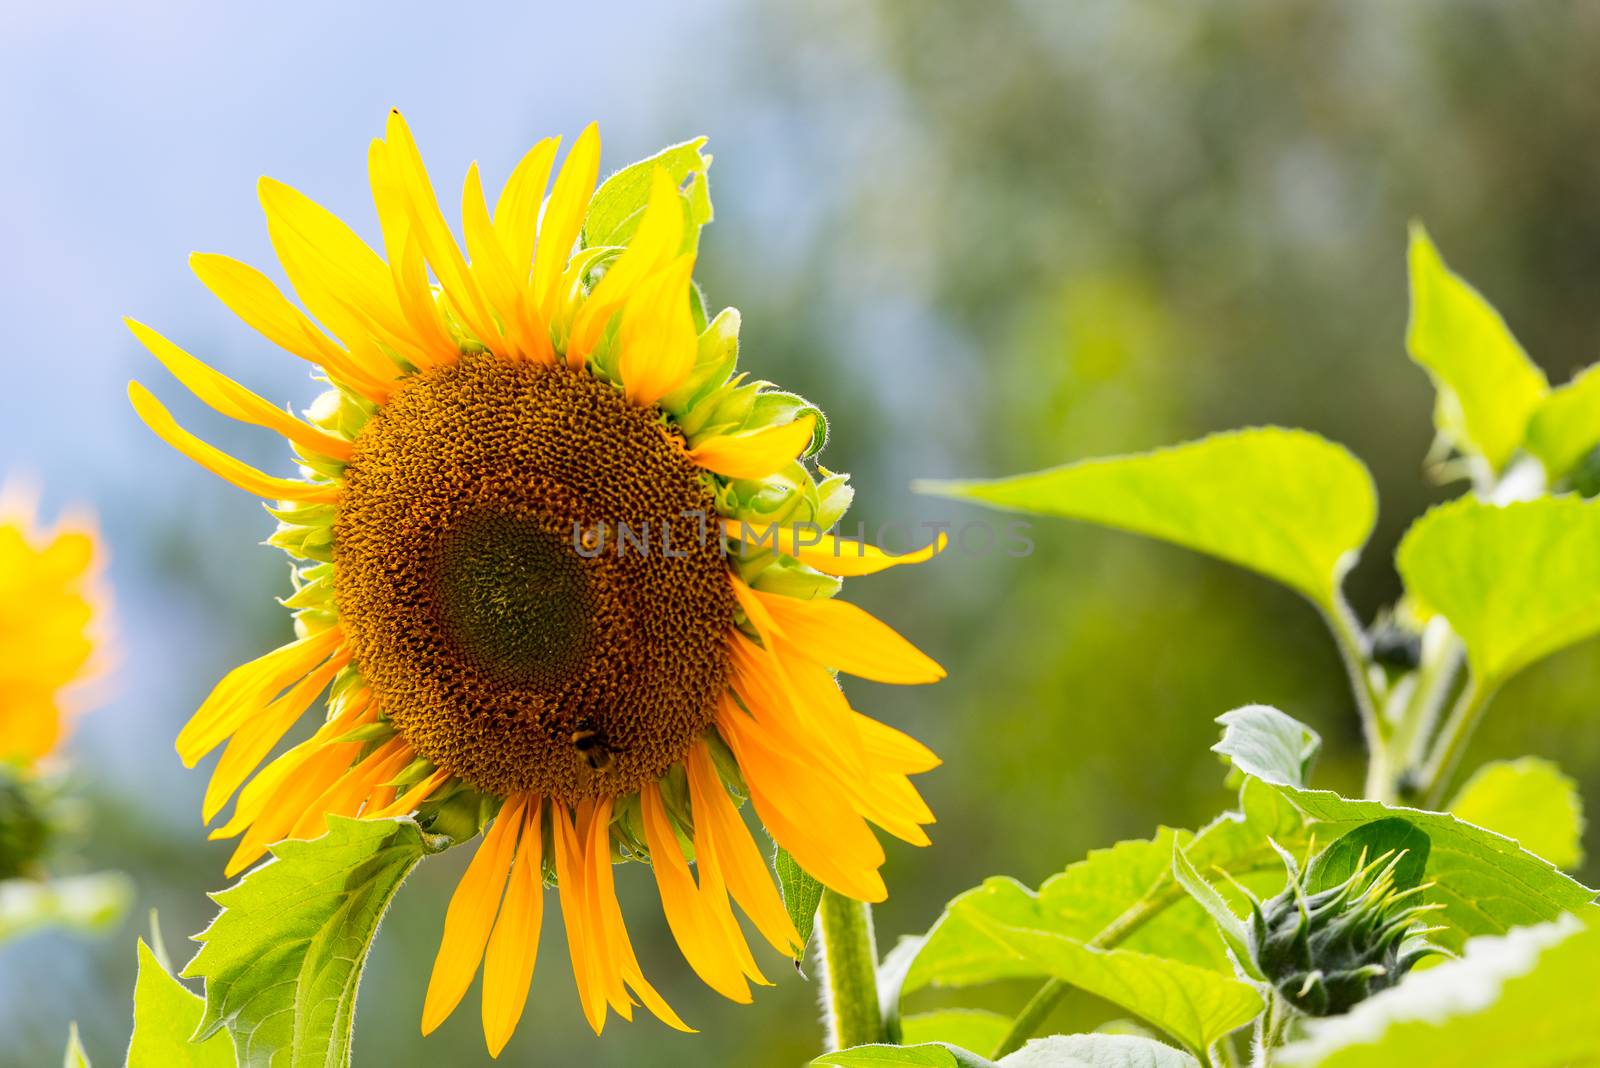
(986, 239)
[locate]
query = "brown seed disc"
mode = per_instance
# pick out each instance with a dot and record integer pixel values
(527, 568)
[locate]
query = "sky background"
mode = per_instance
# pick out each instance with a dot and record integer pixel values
(983, 239)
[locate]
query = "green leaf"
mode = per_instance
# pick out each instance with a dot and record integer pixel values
(1487, 883)
(802, 893)
(1268, 744)
(1529, 800)
(283, 958)
(1525, 1000)
(1286, 503)
(967, 1028)
(1567, 424)
(165, 1014)
(75, 1056)
(619, 203)
(1355, 849)
(1194, 1005)
(83, 903)
(1098, 1051)
(1228, 923)
(925, 1056)
(1488, 388)
(1516, 581)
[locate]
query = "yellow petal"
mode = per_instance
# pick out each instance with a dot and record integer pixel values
(470, 916)
(831, 555)
(493, 271)
(514, 946)
(249, 688)
(656, 343)
(700, 937)
(251, 296)
(233, 400)
(219, 463)
(755, 453)
(563, 218)
(516, 213)
(849, 639)
(655, 243)
(570, 870)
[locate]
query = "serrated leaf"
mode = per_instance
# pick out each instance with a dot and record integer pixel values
(1286, 503)
(1529, 800)
(75, 1056)
(1098, 1051)
(802, 893)
(1566, 426)
(1517, 582)
(283, 959)
(1266, 743)
(967, 1028)
(165, 1014)
(1355, 849)
(1125, 896)
(1229, 925)
(1488, 388)
(1487, 883)
(619, 203)
(925, 1056)
(1194, 1005)
(1524, 1000)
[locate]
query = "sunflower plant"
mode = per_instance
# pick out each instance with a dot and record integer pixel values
(1428, 922)
(564, 586)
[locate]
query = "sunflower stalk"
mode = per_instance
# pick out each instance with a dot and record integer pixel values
(849, 957)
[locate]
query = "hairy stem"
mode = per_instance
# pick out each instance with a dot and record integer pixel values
(1452, 742)
(1352, 650)
(850, 960)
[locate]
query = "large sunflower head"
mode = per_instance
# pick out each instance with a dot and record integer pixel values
(50, 608)
(561, 572)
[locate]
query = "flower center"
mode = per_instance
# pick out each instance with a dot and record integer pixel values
(526, 566)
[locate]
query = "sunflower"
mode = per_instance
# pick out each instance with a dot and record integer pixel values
(560, 571)
(49, 604)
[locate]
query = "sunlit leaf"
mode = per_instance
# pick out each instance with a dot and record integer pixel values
(1487, 386)
(1567, 424)
(619, 203)
(1486, 882)
(1098, 1051)
(284, 957)
(1529, 800)
(1516, 581)
(1286, 503)
(1268, 744)
(1523, 1000)
(1400, 839)
(1229, 925)
(967, 1028)
(165, 1015)
(924, 1056)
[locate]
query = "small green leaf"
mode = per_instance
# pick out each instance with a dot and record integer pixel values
(1523, 1000)
(1194, 1005)
(926, 1056)
(1567, 424)
(967, 1028)
(165, 1014)
(1487, 883)
(1286, 503)
(1529, 800)
(1488, 388)
(1353, 850)
(284, 957)
(75, 1056)
(802, 893)
(619, 203)
(1098, 1051)
(1517, 582)
(1229, 925)
(1268, 744)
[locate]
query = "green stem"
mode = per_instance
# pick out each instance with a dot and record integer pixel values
(1347, 636)
(850, 960)
(1452, 742)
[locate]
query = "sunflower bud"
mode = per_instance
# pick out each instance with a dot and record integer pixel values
(1329, 949)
